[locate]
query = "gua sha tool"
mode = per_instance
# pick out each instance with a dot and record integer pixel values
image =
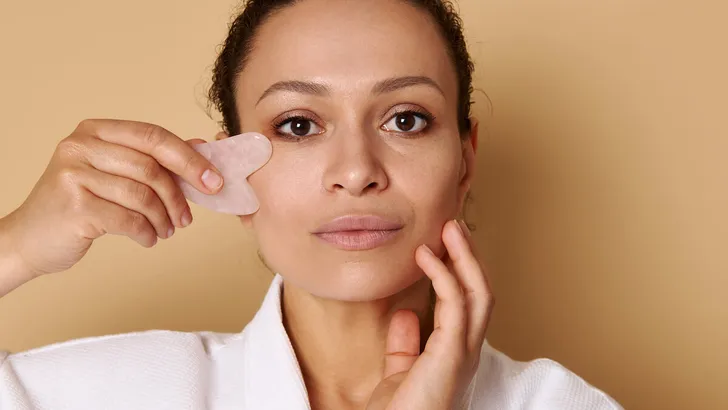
(237, 158)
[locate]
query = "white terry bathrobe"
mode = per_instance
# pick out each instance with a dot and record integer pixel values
(255, 369)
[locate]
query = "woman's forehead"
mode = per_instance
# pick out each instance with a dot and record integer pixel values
(349, 45)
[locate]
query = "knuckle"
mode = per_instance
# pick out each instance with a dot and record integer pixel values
(70, 146)
(460, 301)
(67, 182)
(86, 124)
(67, 176)
(135, 224)
(189, 163)
(178, 198)
(491, 300)
(143, 194)
(153, 135)
(151, 169)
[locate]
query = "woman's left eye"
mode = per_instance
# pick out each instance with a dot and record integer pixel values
(407, 122)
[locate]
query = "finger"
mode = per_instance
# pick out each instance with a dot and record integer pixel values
(381, 397)
(451, 320)
(483, 268)
(196, 141)
(474, 249)
(436, 312)
(168, 149)
(108, 217)
(470, 276)
(131, 195)
(403, 343)
(128, 163)
(221, 135)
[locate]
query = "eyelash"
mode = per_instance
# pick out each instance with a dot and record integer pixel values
(418, 112)
(285, 120)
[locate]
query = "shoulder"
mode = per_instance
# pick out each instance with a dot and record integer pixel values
(504, 383)
(137, 346)
(127, 349)
(127, 367)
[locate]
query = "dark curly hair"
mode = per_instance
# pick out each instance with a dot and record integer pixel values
(239, 43)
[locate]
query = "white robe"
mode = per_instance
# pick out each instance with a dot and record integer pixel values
(254, 369)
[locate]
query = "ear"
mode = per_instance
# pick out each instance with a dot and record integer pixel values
(474, 124)
(467, 169)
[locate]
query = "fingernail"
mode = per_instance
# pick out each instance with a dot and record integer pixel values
(464, 228)
(460, 227)
(428, 250)
(212, 180)
(186, 218)
(170, 232)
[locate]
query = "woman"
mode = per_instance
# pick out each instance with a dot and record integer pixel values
(367, 107)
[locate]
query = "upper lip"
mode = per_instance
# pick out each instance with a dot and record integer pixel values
(359, 223)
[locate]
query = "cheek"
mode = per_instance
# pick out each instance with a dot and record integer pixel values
(422, 188)
(431, 186)
(283, 187)
(431, 181)
(285, 195)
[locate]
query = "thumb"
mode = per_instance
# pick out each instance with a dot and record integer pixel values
(403, 343)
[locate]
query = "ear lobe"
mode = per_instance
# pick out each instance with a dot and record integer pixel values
(464, 163)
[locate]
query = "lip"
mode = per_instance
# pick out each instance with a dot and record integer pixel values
(354, 232)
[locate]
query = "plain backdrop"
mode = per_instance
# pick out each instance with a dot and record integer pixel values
(600, 203)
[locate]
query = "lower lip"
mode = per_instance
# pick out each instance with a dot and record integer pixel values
(358, 240)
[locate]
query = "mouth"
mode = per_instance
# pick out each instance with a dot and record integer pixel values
(358, 233)
(358, 240)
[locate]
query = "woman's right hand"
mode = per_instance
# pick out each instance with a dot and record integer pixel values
(108, 176)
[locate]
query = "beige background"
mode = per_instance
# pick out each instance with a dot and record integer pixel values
(601, 201)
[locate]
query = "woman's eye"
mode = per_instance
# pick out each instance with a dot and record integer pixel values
(299, 127)
(408, 122)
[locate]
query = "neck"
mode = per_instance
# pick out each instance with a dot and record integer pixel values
(340, 345)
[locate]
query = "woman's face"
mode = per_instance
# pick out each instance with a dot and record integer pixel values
(359, 99)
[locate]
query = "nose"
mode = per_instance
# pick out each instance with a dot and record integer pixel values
(355, 165)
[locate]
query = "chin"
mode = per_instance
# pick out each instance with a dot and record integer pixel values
(359, 280)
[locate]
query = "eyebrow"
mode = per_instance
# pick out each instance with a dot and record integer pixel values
(382, 87)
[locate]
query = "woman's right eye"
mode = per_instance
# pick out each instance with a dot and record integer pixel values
(298, 127)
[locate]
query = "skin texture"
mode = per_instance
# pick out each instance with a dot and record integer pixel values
(354, 166)
(338, 305)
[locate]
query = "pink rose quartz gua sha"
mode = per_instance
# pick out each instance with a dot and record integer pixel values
(237, 158)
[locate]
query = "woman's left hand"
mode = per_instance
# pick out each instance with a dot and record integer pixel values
(438, 378)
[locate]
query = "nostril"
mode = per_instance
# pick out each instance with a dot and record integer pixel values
(373, 186)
